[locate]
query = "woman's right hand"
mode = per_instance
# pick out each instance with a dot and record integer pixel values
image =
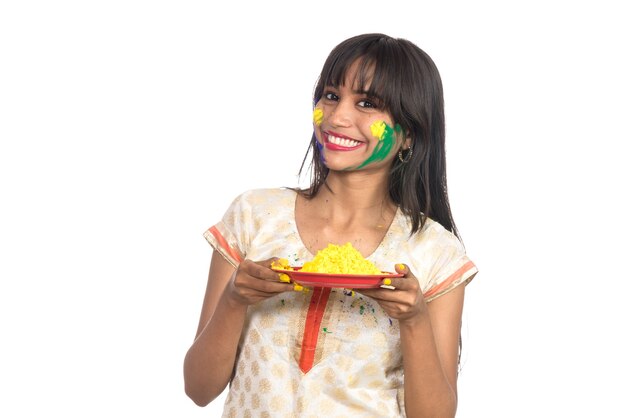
(254, 281)
(210, 360)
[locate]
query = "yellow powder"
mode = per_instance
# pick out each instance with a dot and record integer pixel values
(318, 116)
(340, 259)
(378, 129)
(281, 264)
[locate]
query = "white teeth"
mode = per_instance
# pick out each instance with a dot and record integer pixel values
(344, 142)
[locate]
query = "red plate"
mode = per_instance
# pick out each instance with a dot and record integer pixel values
(347, 281)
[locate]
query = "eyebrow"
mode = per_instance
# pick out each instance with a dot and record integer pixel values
(366, 93)
(369, 94)
(357, 91)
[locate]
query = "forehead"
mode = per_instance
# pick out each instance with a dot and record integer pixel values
(357, 75)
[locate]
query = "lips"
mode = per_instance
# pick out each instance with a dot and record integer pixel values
(337, 142)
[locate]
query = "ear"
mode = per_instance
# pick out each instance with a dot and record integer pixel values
(407, 142)
(405, 138)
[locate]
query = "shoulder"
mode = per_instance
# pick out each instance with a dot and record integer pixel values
(260, 201)
(432, 234)
(266, 196)
(252, 214)
(435, 248)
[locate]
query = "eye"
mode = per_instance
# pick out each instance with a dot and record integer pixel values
(368, 103)
(329, 95)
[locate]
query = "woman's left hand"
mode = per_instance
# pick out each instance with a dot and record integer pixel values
(401, 298)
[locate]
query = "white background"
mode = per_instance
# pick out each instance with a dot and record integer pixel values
(127, 127)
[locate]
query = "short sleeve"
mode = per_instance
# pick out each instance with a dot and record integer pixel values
(444, 262)
(230, 237)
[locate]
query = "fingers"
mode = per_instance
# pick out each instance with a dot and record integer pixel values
(387, 285)
(282, 277)
(400, 297)
(403, 269)
(391, 288)
(408, 281)
(259, 277)
(260, 269)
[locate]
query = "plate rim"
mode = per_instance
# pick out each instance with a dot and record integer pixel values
(296, 270)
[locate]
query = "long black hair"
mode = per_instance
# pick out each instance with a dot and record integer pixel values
(407, 82)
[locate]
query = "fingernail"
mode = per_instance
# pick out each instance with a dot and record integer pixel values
(284, 278)
(387, 282)
(298, 288)
(401, 266)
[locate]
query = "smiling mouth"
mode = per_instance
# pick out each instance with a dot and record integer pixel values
(340, 142)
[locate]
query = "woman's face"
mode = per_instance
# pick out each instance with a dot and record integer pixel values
(352, 131)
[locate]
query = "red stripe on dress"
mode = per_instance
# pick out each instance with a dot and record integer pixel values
(312, 327)
(453, 277)
(224, 244)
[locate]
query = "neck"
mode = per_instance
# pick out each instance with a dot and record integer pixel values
(356, 193)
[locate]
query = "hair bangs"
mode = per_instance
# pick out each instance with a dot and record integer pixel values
(365, 53)
(376, 74)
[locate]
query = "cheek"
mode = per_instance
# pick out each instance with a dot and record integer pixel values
(318, 116)
(386, 140)
(385, 145)
(379, 129)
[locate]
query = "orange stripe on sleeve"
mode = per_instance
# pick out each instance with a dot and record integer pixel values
(224, 244)
(453, 277)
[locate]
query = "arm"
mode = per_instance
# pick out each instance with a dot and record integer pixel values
(209, 362)
(210, 359)
(429, 335)
(430, 349)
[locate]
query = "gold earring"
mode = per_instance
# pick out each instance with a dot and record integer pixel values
(408, 156)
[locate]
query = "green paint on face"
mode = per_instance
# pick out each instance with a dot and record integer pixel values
(385, 142)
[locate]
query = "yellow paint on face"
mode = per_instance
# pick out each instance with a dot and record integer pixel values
(386, 138)
(318, 116)
(378, 129)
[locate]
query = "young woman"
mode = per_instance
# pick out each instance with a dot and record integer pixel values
(379, 182)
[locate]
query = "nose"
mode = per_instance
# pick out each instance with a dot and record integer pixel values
(341, 115)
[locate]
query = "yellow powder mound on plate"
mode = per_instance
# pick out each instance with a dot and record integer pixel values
(340, 259)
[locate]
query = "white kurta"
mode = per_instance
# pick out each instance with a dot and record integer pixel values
(325, 352)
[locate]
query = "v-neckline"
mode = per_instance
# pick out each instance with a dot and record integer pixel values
(311, 254)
